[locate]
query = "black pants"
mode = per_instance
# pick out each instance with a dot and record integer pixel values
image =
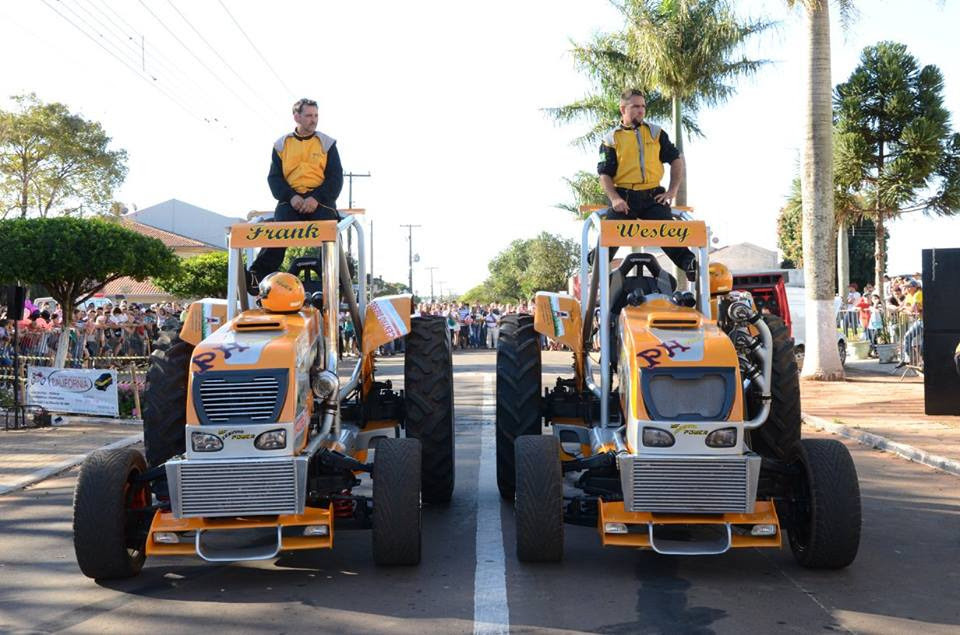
(643, 207)
(270, 259)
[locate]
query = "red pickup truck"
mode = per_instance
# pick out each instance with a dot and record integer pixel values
(770, 293)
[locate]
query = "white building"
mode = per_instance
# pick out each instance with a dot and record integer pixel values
(187, 220)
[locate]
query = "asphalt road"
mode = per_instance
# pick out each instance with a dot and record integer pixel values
(906, 578)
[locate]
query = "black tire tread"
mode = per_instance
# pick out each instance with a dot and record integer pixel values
(833, 536)
(428, 390)
(396, 502)
(518, 393)
(165, 402)
(778, 436)
(99, 515)
(539, 500)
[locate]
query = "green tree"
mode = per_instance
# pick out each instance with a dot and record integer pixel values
(789, 222)
(684, 54)
(896, 149)
(74, 258)
(203, 276)
(526, 266)
(586, 190)
(52, 160)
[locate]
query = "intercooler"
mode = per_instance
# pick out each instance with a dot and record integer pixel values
(212, 488)
(689, 485)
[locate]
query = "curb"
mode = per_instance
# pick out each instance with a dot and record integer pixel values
(909, 452)
(64, 465)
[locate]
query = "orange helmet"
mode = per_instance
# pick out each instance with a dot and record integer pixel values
(721, 280)
(281, 292)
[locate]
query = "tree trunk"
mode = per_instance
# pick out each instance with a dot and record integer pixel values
(821, 359)
(880, 254)
(843, 259)
(63, 344)
(678, 141)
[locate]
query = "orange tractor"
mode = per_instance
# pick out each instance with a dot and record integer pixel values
(256, 445)
(690, 441)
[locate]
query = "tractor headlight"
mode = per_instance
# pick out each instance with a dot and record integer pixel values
(722, 438)
(657, 438)
(205, 442)
(271, 440)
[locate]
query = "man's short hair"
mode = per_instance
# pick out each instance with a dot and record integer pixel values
(301, 103)
(629, 94)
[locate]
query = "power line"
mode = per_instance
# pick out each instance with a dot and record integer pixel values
(200, 61)
(184, 81)
(122, 61)
(254, 46)
(217, 53)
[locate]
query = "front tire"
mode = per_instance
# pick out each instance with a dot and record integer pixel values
(428, 390)
(165, 402)
(539, 500)
(396, 502)
(827, 535)
(518, 394)
(109, 537)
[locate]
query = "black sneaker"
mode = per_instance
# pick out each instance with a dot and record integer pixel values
(253, 285)
(691, 270)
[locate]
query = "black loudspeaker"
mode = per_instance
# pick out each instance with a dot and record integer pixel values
(14, 296)
(941, 331)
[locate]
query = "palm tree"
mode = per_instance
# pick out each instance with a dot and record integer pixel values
(690, 52)
(821, 360)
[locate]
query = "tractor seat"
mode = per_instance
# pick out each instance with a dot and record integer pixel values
(621, 283)
(308, 269)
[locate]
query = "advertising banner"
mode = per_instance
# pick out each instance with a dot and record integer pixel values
(88, 391)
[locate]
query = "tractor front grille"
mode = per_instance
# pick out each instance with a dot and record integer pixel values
(240, 396)
(689, 485)
(235, 488)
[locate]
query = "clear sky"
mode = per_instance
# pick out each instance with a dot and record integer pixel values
(441, 101)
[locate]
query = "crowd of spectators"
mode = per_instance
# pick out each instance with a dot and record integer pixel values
(896, 310)
(98, 330)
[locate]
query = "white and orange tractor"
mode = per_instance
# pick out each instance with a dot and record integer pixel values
(689, 443)
(255, 444)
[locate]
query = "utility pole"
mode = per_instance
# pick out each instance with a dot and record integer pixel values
(410, 238)
(350, 176)
(432, 297)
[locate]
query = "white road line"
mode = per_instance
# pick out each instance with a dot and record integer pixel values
(62, 466)
(490, 611)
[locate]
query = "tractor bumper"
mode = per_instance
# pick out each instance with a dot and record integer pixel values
(688, 534)
(236, 539)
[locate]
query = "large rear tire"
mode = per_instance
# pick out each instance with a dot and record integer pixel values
(538, 507)
(396, 502)
(428, 388)
(778, 437)
(518, 393)
(109, 538)
(827, 535)
(165, 402)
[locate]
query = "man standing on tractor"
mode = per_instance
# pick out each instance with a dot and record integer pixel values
(305, 177)
(631, 167)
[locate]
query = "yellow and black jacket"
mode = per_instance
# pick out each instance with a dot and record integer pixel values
(634, 157)
(308, 166)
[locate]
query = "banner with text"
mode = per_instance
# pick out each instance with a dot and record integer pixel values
(74, 390)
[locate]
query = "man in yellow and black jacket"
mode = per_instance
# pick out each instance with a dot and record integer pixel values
(631, 168)
(305, 177)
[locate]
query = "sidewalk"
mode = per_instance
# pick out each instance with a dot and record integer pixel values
(875, 407)
(31, 455)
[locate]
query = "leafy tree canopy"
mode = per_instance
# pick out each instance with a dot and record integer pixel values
(896, 151)
(52, 160)
(203, 276)
(526, 266)
(74, 258)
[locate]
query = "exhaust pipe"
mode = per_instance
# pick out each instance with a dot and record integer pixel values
(742, 314)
